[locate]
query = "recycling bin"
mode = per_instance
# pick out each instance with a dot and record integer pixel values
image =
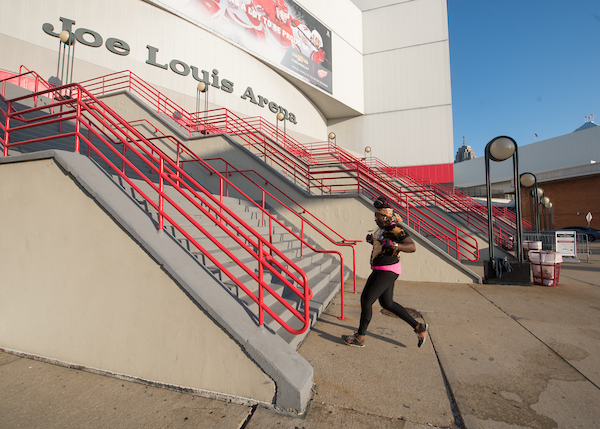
(545, 266)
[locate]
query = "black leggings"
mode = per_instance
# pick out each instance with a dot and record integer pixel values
(380, 284)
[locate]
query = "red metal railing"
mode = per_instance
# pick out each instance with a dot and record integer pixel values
(422, 193)
(305, 165)
(124, 142)
(308, 167)
(185, 155)
(340, 164)
(456, 202)
(434, 194)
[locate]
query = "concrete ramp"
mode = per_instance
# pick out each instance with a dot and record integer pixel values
(88, 281)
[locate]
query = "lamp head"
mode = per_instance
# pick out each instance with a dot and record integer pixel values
(331, 136)
(368, 149)
(280, 116)
(545, 201)
(66, 37)
(540, 192)
(501, 148)
(202, 87)
(527, 180)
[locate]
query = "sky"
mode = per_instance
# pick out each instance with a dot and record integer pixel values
(522, 67)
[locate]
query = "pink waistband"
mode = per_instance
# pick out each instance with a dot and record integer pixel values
(395, 268)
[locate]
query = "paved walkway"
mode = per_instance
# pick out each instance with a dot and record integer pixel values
(499, 357)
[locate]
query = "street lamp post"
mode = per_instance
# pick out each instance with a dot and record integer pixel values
(201, 88)
(536, 201)
(528, 180)
(280, 117)
(550, 208)
(367, 152)
(548, 213)
(332, 137)
(544, 202)
(66, 40)
(500, 149)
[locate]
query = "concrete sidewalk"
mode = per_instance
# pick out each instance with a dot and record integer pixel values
(499, 357)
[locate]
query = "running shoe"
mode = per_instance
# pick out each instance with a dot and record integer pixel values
(351, 340)
(421, 332)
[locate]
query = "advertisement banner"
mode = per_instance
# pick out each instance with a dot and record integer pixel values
(280, 31)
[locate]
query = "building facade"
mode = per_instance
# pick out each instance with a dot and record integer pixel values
(376, 73)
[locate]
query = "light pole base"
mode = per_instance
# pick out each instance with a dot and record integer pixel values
(520, 273)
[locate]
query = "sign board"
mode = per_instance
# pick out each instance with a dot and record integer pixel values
(566, 243)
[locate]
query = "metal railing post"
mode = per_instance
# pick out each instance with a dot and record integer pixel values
(457, 245)
(271, 233)
(302, 241)
(7, 125)
(123, 164)
(261, 316)
(77, 121)
(354, 265)
(178, 163)
(227, 175)
(263, 207)
(221, 193)
(342, 316)
(161, 190)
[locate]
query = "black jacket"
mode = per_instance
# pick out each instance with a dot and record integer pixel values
(383, 253)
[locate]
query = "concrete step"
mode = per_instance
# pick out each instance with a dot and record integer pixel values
(321, 269)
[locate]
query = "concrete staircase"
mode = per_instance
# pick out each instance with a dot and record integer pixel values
(322, 269)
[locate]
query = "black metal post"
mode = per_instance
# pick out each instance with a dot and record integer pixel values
(519, 251)
(488, 188)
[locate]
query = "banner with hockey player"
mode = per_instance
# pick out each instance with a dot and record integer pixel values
(280, 31)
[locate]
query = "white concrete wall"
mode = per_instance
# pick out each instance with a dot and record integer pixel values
(76, 288)
(139, 24)
(408, 105)
(345, 22)
(390, 62)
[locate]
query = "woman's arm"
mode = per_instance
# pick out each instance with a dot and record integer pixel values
(407, 245)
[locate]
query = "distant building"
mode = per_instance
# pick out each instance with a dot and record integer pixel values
(464, 153)
(567, 168)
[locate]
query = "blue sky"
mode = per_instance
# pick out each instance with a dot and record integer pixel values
(522, 67)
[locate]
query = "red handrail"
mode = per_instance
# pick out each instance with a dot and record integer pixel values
(182, 149)
(504, 235)
(304, 165)
(102, 122)
(460, 204)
